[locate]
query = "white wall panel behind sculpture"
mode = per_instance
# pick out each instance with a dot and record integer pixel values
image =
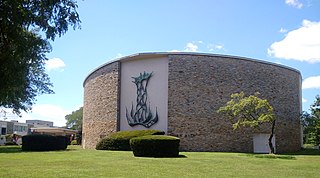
(156, 95)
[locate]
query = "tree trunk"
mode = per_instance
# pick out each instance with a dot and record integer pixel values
(271, 146)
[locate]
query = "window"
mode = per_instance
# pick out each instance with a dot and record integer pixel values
(3, 131)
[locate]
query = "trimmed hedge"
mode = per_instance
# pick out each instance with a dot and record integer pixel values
(121, 140)
(155, 146)
(74, 142)
(44, 143)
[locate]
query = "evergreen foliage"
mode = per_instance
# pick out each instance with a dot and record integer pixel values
(155, 146)
(121, 140)
(44, 143)
(311, 123)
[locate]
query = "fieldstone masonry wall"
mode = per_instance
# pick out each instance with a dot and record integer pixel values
(198, 85)
(100, 111)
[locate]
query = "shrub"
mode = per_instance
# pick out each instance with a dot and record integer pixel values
(155, 146)
(44, 143)
(10, 139)
(10, 143)
(121, 140)
(74, 142)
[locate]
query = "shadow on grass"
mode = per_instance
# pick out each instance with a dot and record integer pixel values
(288, 156)
(306, 151)
(275, 156)
(71, 149)
(271, 156)
(10, 149)
(17, 149)
(179, 156)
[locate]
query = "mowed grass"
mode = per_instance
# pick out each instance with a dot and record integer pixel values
(76, 162)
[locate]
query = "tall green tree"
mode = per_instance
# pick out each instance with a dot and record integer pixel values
(311, 123)
(250, 111)
(26, 29)
(74, 120)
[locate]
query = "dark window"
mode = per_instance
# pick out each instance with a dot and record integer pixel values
(3, 131)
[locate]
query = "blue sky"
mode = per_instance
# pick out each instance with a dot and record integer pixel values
(286, 32)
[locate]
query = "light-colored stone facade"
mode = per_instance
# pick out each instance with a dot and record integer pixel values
(100, 111)
(198, 85)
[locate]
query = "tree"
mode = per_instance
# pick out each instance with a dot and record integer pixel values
(74, 120)
(311, 123)
(23, 48)
(250, 111)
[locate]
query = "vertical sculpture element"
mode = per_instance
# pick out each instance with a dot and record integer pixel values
(141, 114)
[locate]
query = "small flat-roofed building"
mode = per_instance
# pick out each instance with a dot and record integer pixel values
(53, 131)
(40, 123)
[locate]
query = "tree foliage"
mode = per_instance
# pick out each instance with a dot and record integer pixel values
(22, 48)
(311, 123)
(250, 111)
(74, 120)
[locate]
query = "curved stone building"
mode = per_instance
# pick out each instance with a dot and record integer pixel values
(180, 94)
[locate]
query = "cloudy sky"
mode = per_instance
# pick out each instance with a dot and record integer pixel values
(286, 32)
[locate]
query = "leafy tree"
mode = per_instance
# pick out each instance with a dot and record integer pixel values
(26, 27)
(250, 111)
(74, 120)
(311, 123)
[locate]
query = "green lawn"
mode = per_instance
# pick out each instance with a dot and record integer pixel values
(76, 162)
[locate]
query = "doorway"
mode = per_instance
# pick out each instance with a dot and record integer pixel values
(261, 144)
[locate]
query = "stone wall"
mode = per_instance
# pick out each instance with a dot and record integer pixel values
(100, 111)
(199, 85)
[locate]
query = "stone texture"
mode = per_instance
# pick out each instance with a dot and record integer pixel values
(199, 85)
(100, 111)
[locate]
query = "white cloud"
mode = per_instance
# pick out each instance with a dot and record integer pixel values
(119, 55)
(311, 82)
(294, 3)
(215, 47)
(304, 100)
(283, 30)
(219, 47)
(47, 112)
(191, 47)
(202, 46)
(174, 50)
(55, 64)
(302, 44)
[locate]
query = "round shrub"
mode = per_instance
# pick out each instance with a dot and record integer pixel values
(155, 146)
(74, 142)
(113, 144)
(121, 140)
(44, 143)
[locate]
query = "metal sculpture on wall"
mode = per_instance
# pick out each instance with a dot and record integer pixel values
(141, 114)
